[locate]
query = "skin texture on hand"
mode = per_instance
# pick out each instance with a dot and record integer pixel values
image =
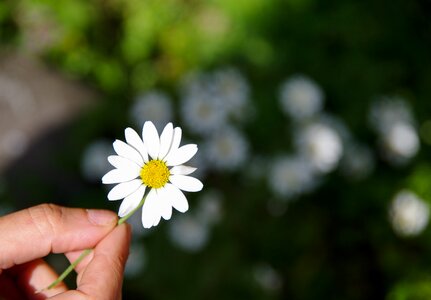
(30, 234)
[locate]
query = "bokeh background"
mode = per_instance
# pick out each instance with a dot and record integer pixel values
(313, 120)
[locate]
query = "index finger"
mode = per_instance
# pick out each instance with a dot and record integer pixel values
(35, 232)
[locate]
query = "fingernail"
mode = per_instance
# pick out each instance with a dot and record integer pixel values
(101, 217)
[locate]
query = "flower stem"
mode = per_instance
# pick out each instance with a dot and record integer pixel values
(124, 219)
(70, 268)
(87, 251)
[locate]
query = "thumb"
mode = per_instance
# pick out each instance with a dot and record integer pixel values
(39, 230)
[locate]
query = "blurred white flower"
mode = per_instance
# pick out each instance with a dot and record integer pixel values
(321, 144)
(226, 150)
(301, 97)
(202, 113)
(385, 112)
(209, 210)
(267, 277)
(393, 120)
(152, 105)
(358, 161)
(154, 162)
(94, 164)
(208, 99)
(233, 90)
(400, 143)
(408, 214)
(188, 233)
(136, 261)
(291, 176)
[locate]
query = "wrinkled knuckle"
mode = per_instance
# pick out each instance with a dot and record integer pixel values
(46, 218)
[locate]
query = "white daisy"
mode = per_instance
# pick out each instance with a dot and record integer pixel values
(409, 215)
(321, 144)
(301, 97)
(233, 90)
(291, 176)
(392, 119)
(155, 163)
(202, 112)
(227, 149)
(400, 143)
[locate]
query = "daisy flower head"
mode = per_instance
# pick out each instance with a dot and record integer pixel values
(400, 144)
(152, 164)
(233, 90)
(291, 176)
(227, 149)
(321, 144)
(301, 98)
(202, 112)
(408, 214)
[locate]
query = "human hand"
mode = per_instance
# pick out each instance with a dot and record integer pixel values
(28, 235)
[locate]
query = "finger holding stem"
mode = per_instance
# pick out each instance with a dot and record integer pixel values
(86, 252)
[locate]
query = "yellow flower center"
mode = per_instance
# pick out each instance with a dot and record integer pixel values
(155, 174)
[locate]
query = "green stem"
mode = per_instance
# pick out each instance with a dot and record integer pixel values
(70, 268)
(88, 251)
(124, 219)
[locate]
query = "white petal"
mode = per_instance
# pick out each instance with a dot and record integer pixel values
(182, 155)
(128, 151)
(150, 210)
(176, 140)
(186, 183)
(134, 140)
(151, 139)
(166, 140)
(165, 203)
(132, 201)
(123, 163)
(177, 198)
(182, 170)
(124, 189)
(118, 175)
(157, 221)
